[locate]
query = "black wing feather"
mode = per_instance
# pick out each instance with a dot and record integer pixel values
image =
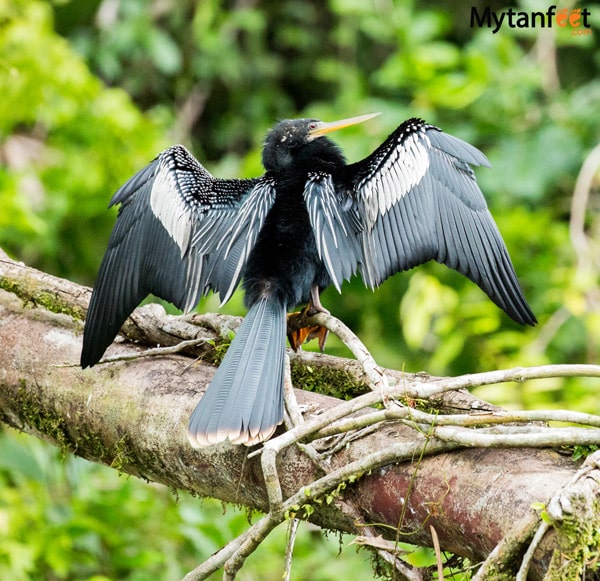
(229, 238)
(157, 245)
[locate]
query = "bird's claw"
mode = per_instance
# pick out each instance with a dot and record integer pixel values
(299, 337)
(302, 335)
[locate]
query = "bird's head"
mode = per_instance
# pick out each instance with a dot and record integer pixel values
(294, 142)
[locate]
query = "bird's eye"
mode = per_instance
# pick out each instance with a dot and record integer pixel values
(312, 125)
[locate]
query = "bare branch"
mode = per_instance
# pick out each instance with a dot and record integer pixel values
(581, 243)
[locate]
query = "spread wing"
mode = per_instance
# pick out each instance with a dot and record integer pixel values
(179, 233)
(413, 200)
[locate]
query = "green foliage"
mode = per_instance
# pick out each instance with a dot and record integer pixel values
(68, 142)
(91, 91)
(68, 519)
(580, 452)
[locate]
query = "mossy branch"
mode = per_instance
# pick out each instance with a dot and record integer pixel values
(132, 416)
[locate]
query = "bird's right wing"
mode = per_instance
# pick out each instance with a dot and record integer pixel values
(179, 233)
(335, 231)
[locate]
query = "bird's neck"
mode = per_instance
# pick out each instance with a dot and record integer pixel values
(325, 157)
(321, 155)
(299, 170)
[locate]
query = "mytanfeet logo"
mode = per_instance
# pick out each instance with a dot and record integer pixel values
(574, 19)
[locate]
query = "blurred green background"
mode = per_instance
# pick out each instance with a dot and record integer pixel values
(92, 90)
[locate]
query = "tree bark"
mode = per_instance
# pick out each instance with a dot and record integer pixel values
(132, 415)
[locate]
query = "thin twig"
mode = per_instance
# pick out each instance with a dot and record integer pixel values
(155, 352)
(249, 545)
(388, 551)
(516, 374)
(217, 561)
(528, 557)
(581, 193)
(475, 419)
(289, 549)
(438, 552)
(291, 405)
(543, 438)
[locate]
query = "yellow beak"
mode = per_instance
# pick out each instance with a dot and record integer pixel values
(321, 127)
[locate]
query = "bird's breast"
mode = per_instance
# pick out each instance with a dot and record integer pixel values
(284, 261)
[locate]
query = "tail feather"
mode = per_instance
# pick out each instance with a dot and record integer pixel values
(244, 402)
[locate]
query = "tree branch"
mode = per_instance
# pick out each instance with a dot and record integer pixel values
(413, 470)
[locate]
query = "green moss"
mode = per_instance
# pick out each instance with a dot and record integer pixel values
(54, 426)
(218, 353)
(122, 455)
(333, 382)
(42, 420)
(582, 452)
(578, 541)
(34, 296)
(494, 574)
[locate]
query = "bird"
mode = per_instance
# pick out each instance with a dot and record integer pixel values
(310, 221)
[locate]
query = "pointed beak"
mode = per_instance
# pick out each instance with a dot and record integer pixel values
(323, 128)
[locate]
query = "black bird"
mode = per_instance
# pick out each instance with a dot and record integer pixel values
(310, 221)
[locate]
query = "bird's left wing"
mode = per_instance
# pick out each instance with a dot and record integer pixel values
(413, 200)
(179, 233)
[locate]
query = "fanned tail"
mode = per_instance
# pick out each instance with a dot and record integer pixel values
(244, 402)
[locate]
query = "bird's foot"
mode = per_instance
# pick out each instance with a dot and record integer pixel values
(298, 333)
(300, 336)
(314, 304)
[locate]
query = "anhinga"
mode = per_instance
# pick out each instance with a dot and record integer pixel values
(311, 220)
